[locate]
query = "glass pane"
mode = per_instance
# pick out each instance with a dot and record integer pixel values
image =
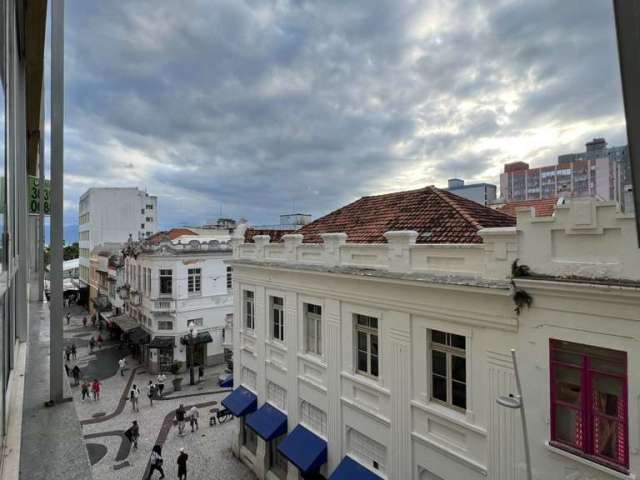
(439, 363)
(362, 362)
(568, 426)
(362, 342)
(374, 344)
(374, 365)
(458, 368)
(438, 337)
(568, 385)
(458, 341)
(439, 387)
(566, 357)
(373, 322)
(607, 395)
(459, 394)
(608, 366)
(362, 320)
(608, 440)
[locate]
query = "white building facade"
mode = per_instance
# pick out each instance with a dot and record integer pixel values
(173, 283)
(110, 215)
(392, 355)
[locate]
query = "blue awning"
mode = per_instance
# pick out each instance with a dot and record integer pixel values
(268, 422)
(240, 402)
(226, 382)
(304, 449)
(349, 469)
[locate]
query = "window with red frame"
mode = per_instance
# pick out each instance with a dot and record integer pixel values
(589, 402)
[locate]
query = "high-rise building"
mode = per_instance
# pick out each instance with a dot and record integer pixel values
(482, 193)
(111, 215)
(600, 171)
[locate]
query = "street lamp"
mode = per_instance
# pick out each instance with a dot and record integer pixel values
(516, 402)
(193, 333)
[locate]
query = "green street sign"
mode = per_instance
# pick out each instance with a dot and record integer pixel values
(34, 196)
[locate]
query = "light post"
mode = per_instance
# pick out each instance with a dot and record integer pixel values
(517, 402)
(193, 333)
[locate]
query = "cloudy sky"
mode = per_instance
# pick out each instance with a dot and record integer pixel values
(260, 107)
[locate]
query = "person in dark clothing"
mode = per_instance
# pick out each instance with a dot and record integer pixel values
(85, 389)
(74, 351)
(76, 374)
(156, 461)
(66, 368)
(180, 415)
(67, 353)
(92, 344)
(133, 433)
(182, 465)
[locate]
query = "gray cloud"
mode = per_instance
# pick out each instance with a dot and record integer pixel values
(264, 106)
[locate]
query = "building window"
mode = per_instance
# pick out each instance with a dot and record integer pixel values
(166, 282)
(249, 318)
(313, 417)
(149, 281)
(198, 322)
(144, 279)
(367, 354)
(229, 278)
(249, 438)
(313, 329)
(277, 462)
(142, 226)
(449, 369)
(588, 402)
(149, 207)
(165, 359)
(165, 325)
(194, 279)
(277, 319)
(249, 377)
(367, 450)
(277, 395)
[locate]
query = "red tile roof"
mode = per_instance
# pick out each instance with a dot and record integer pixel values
(276, 235)
(543, 207)
(173, 234)
(437, 215)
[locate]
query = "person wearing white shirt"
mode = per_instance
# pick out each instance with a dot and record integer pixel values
(160, 383)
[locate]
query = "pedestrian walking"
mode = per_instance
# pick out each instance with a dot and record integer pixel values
(194, 414)
(68, 314)
(133, 433)
(95, 389)
(160, 383)
(92, 344)
(100, 340)
(84, 322)
(180, 416)
(151, 392)
(134, 396)
(85, 389)
(182, 465)
(93, 321)
(76, 375)
(156, 461)
(122, 363)
(67, 353)
(66, 368)
(74, 351)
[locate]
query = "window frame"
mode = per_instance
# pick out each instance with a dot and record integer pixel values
(166, 278)
(249, 309)
(369, 332)
(316, 319)
(273, 308)
(278, 463)
(248, 433)
(450, 351)
(586, 411)
(229, 278)
(194, 281)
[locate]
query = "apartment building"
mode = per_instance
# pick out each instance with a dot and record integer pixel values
(600, 171)
(364, 351)
(172, 280)
(111, 215)
(482, 193)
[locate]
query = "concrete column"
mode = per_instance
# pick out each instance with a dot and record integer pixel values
(332, 345)
(398, 378)
(291, 337)
(57, 207)
(331, 250)
(400, 243)
(261, 242)
(291, 243)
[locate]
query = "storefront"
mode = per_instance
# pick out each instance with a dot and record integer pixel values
(161, 358)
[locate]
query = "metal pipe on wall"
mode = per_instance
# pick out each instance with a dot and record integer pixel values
(57, 208)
